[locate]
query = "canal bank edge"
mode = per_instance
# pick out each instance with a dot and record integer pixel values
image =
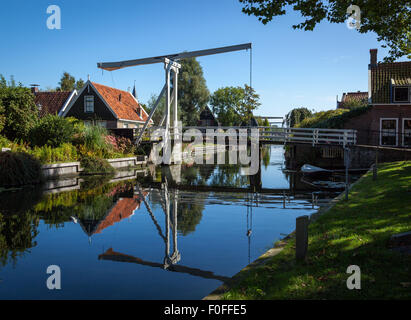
(218, 293)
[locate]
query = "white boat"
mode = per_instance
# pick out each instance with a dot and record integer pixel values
(308, 168)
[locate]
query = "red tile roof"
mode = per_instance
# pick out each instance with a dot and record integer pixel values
(124, 105)
(50, 102)
(351, 97)
(124, 208)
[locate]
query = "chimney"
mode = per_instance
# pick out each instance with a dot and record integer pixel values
(34, 88)
(119, 97)
(373, 57)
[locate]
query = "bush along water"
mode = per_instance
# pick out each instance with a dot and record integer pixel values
(94, 165)
(18, 169)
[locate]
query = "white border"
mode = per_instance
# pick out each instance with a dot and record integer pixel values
(403, 132)
(396, 131)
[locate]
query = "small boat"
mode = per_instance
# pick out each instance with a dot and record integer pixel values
(315, 172)
(308, 168)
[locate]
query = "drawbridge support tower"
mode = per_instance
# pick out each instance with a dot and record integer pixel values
(171, 65)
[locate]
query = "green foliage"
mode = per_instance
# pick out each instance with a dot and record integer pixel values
(93, 165)
(4, 142)
(47, 154)
(332, 119)
(18, 168)
(297, 115)
(67, 82)
(93, 142)
(158, 115)
(249, 103)
(18, 112)
(193, 94)
(79, 84)
(390, 20)
(234, 105)
(226, 103)
(52, 130)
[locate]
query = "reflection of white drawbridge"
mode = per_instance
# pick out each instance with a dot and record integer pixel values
(170, 260)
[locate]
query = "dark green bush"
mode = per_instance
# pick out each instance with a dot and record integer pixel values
(52, 130)
(18, 112)
(18, 169)
(92, 165)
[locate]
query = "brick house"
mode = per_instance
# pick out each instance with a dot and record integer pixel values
(109, 107)
(388, 120)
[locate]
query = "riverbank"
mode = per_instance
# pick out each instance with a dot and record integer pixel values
(350, 233)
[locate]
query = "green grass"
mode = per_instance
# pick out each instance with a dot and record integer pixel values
(351, 233)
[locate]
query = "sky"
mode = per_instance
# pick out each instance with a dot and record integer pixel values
(290, 68)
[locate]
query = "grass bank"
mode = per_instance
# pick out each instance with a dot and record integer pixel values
(350, 233)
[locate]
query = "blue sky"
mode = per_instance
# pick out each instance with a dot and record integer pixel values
(291, 68)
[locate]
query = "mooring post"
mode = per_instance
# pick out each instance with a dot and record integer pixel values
(301, 237)
(347, 160)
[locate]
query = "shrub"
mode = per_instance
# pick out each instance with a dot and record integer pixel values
(4, 142)
(52, 130)
(18, 168)
(93, 165)
(18, 112)
(332, 119)
(47, 154)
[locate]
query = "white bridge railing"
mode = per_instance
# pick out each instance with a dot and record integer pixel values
(276, 135)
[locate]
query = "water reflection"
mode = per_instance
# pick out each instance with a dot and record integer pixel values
(191, 227)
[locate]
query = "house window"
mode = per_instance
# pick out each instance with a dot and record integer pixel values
(406, 128)
(102, 123)
(88, 104)
(402, 94)
(125, 125)
(388, 132)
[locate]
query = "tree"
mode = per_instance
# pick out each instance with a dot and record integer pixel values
(18, 112)
(234, 105)
(67, 82)
(225, 104)
(159, 114)
(52, 130)
(297, 115)
(389, 19)
(249, 103)
(79, 84)
(193, 94)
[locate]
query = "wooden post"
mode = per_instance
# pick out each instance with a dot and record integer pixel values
(301, 237)
(347, 160)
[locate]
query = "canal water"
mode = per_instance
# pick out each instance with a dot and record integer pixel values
(143, 238)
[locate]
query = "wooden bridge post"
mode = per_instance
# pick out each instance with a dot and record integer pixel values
(301, 237)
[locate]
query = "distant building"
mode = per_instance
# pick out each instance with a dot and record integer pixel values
(109, 107)
(52, 102)
(207, 118)
(388, 120)
(351, 99)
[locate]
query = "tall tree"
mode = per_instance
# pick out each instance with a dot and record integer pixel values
(249, 103)
(193, 93)
(79, 84)
(67, 82)
(389, 19)
(297, 115)
(234, 105)
(225, 104)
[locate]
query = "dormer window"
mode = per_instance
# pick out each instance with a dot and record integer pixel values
(402, 94)
(88, 104)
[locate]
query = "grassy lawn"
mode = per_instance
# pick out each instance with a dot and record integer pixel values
(351, 233)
